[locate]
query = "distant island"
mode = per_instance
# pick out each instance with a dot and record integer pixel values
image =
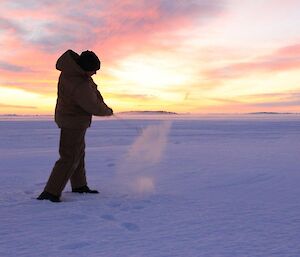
(149, 112)
(271, 113)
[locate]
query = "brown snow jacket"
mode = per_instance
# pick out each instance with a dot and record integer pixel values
(77, 97)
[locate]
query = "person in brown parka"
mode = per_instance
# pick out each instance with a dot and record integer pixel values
(77, 100)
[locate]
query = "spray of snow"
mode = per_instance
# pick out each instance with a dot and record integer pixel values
(136, 171)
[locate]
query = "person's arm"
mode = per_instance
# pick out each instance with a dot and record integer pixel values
(104, 109)
(90, 99)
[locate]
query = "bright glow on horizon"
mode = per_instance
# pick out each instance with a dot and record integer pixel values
(23, 102)
(149, 73)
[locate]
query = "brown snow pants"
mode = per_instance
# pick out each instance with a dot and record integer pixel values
(71, 162)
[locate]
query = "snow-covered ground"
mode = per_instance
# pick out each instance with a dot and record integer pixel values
(206, 186)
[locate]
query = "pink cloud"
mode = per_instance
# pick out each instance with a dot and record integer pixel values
(286, 58)
(35, 33)
(90, 23)
(289, 51)
(275, 102)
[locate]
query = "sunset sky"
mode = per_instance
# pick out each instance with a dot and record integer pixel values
(201, 56)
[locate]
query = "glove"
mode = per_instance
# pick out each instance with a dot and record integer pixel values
(109, 111)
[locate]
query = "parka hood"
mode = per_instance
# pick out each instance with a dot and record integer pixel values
(68, 63)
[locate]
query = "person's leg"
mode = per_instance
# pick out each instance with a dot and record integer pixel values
(78, 178)
(70, 150)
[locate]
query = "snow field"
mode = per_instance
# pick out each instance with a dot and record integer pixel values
(210, 187)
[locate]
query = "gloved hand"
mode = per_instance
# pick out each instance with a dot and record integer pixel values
(109, 111)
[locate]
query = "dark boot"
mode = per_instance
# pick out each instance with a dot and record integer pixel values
(47, 196)
(84, 189)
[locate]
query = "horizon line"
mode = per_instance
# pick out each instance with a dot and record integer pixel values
(166, 113)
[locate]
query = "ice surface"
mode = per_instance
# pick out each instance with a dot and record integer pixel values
(224, 186)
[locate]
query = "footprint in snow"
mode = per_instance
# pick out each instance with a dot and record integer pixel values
(114, 205)
(138, 207)
(130, 226)
(108, 217)
(127, 225)
(28, 192)
(40, 184)
(74, 245)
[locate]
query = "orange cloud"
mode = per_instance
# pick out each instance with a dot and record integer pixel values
(17, 106)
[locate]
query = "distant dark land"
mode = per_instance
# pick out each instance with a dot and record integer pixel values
(149, 112)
